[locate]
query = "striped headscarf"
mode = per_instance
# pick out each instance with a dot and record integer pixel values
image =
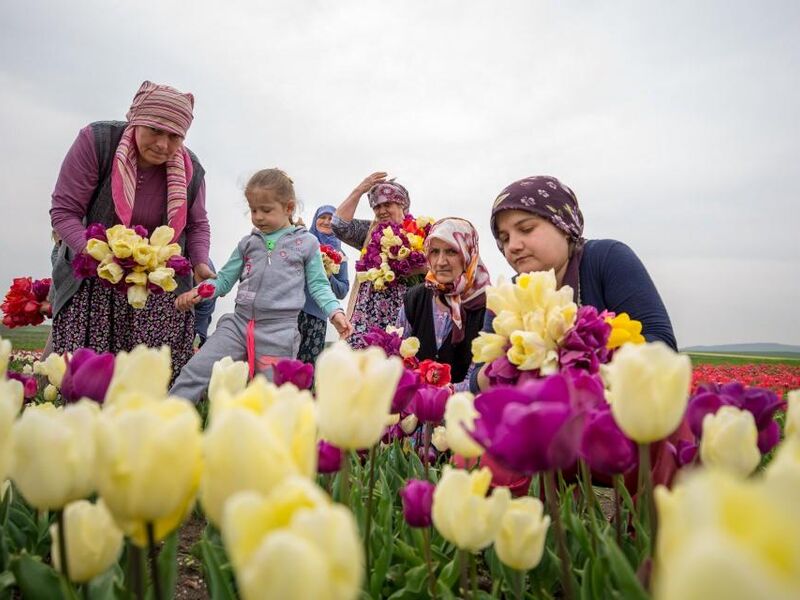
(165, 108)
(468, 291)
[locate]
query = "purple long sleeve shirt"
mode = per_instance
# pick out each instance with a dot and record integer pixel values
(78, 180)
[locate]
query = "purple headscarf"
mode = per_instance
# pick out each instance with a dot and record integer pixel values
(389, 191)
(548, 198)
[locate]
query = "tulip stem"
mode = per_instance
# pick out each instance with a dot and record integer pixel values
(519, 584)
(646, 500)
(344, 480)
(426, 537)
(473, 575)
(426, 449)
(555, 515)
(152, 551)
(617, 480)
(135, 570)
(462, 555)
(590, 501)
(368, 525)
(62, 545)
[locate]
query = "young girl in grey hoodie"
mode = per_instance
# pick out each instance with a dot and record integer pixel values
(273, 265)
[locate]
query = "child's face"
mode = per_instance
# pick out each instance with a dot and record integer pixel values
(531, 243)
(266, 211)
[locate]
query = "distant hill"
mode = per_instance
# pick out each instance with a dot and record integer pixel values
(755, 349)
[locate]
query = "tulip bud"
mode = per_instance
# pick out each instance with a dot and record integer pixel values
(429, 403)
(439, 439)
(9, 408)
(93, 540)
(459, 418)
(349, 383)
(329, 459)
(523, 530)
(88, 375)
(142, 372)
(409, 424)
(228, 375)
(417, 498)
(62, 469)
(409, 347)
(793, 414)
(50, 393)
(648, 390)
(461, 511)
(730, 441)
(295, 372)
(55, 366)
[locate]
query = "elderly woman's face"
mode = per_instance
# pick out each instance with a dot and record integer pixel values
(324, 223)
(389, 212)
(531, 243)
(444, 261)
(155, 146)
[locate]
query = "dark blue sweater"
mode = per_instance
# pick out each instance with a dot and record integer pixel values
(613, 278)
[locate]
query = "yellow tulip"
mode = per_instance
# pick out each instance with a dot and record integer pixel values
(137, 296)
(122, 247)
(110, 271)
(145, 255)
(168, 251)
(93, 540)
(257, 397)
(50, 393)
(725, 537)
(354, 382)
(54, 453)
(228, 375)
(141, 372)
(783, 472)
(138, 278)
(488, 346)
(162, 235)
(54, 367)
(10, 401)
(5, 354)
(459, 418)
(461, 511)
(792, 427)
(149, 463)
(530, 351)
(624, 330)
(118, 232)
(409, 347)
(730, 441)
(523, 530)
(98, 249)
(648, 390)
(295, 548)
(163, 277)
(439, 439)
(507, 322)
(409, 424)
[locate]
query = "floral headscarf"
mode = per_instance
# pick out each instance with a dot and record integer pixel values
(166, 108)
(548, 198)
(468, 291)
(389, 191)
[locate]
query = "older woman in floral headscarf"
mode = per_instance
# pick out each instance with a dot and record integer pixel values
(370, 307)
(135, 173)
(446, 312)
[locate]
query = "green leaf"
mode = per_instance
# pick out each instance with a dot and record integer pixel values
(218, 578)
(167, 567)
(379, 569)
(626, 580)
(450, 573)
(36, 579)
(103, 586)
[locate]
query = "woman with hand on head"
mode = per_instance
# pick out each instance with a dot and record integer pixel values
(447, 311)
(135, 173)
(369, 307)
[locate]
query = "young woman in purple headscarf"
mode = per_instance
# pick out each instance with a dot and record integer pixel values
(369, 307)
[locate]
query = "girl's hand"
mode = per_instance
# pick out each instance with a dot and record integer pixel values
(202, 272)
(367, 184)
(342, 325)
(187, 300)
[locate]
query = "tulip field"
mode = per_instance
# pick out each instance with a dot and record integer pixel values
(618, 471)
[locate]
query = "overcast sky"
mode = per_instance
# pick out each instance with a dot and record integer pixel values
(675, 123)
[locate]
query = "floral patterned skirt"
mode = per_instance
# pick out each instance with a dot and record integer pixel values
(312, 336)
(375, 309)
(100, 318)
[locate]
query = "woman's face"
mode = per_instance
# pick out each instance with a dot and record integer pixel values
(155, 146)
(531, 243)
(444, 261)
(389, 212)
(324, 224)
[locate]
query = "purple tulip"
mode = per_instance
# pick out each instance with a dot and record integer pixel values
(429, 402)
(180, 264)
(433, 454)
(95, 231)
(532, 427)
(88, 375)
(769, 437)
(604, 447)
(701, 404)
(140, 231)
(84, 266)
(686, 452)
(584, 346)
(388, 342)
(587, 390)
(126, 263)
(329, 458)
(502, 371)
(406, 388)
(392, 433)
(29, 385)
(41, 289)
(294, 371)
(417, 498)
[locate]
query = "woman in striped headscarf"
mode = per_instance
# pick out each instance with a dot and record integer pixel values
(135, 173)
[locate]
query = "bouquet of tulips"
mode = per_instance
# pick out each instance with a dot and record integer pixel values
(331, 259)
(130, 262)
(394, 252)
(26, 302)
(539, 330)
